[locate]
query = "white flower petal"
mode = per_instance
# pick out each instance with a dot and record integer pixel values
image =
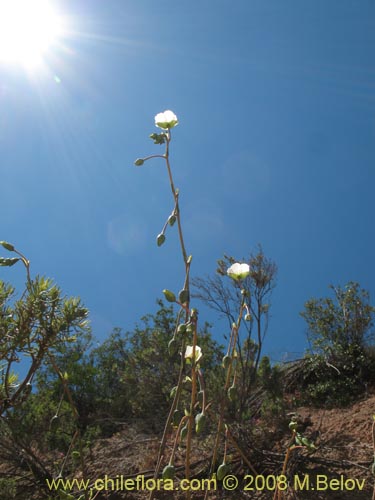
(238, 271)
(189, 352)
(166, 120)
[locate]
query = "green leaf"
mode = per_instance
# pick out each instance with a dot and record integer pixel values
(8, 262)
(7, 246)
(158, 138)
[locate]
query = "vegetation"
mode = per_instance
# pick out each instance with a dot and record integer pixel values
(341, 363)
(223, 297)
(168, 377)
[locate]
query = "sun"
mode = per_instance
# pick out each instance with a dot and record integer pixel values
(28, 29)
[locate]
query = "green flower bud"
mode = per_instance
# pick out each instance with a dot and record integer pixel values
(232, 393)
(160, 239)
(222, 471)
(177, 416)
(248, 317)
(226, 361)
(138, 162)
(200, 422)
(183, 433)
(54, 419)
(181, 329)
(7, 246)
(194, 313)
(172, 347)
(184, 296)
(171, 220)
(168, 472)
(170, 296)
(8, 262)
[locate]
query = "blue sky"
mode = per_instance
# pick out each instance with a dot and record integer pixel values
(276, 145)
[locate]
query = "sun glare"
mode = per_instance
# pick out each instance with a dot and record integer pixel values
(28, 29)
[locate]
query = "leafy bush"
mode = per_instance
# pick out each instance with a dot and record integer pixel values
(340, 332)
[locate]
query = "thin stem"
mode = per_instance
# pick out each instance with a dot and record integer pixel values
(26, 263)
(186, 307)
(231, 348)
(182, 421)
(168, 423)
(175, 196)
(153, 156)
(77, 434)
(192, 403)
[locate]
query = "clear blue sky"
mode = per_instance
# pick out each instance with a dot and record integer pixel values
(276, 145)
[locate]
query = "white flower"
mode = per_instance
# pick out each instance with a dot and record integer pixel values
(166, 120)
(238, 271)
(189, 352)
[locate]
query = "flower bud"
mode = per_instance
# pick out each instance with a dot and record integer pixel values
(181, 329)
(171, 220)
(172, 347)
(184, 296)
(139, 162)
(8, 261)
(168, 472)
(222, 471)
(232, 393)
(7, 246)
(200, 422)
(160, 239)
(177, 416)
(226, 361)
(183, 433)
(194, 313)
(248, 317)
(170, 296)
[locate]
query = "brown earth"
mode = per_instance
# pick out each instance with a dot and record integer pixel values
(340, 468)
